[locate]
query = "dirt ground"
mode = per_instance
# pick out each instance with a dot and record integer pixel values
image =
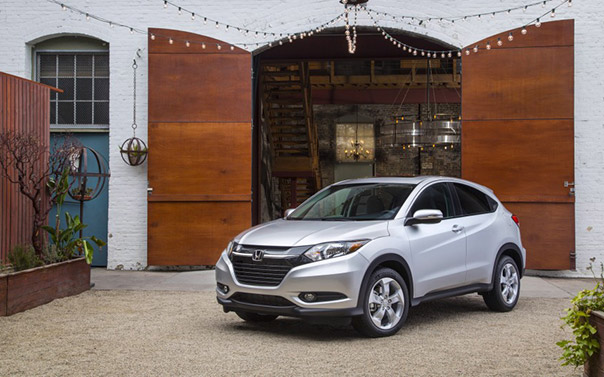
(151, 333)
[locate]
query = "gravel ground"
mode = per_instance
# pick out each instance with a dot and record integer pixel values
(109, 333)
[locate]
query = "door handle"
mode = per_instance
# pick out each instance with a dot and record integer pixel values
(457, 228)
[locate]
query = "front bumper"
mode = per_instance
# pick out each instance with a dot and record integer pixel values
(342, 274)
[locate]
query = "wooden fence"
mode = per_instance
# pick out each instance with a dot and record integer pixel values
(24, 108)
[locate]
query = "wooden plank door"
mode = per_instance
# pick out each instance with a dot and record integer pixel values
(199, 147)
(518, 134)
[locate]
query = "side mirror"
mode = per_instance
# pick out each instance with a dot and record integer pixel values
(425, 216)
(288, 212)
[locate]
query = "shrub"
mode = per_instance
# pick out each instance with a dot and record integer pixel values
(23, 258)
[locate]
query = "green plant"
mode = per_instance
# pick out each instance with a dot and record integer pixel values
(77, 191)
(23, 258)
(576, 352)
(52, 254)
(68, 241)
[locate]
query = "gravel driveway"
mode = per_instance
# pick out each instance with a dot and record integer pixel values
(151, 333)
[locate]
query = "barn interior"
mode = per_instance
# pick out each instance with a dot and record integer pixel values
(325, 115)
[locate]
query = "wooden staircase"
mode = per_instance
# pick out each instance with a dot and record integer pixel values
(287, 108)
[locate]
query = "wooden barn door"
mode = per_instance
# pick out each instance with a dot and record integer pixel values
(199, 147)
(518, 134)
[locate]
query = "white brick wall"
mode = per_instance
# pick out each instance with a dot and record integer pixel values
(25, 22)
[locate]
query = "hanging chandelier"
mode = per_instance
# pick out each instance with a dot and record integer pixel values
(357, 150)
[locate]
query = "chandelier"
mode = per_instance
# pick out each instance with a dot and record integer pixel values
(357, 150)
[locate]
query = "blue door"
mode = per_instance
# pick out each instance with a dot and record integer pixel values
(95, 211)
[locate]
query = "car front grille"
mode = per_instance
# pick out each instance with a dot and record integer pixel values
(260, 273)
(267, 272)
(267, 300)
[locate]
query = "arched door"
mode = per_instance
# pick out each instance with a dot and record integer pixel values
(199, 147)
(518, 134)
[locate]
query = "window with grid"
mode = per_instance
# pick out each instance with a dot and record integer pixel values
(84, 79)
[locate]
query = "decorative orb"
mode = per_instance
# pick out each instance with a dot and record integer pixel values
(89, 174)
(134, 151)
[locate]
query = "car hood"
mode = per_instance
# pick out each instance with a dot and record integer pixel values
(302, 233)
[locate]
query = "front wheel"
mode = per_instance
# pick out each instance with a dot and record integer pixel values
(506, 288)
(385, 304)
(256, 317)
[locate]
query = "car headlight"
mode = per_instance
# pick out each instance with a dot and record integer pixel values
(333, 249)
(230, 248)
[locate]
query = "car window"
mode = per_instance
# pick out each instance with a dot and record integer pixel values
(368, 201)
(436, 196)
(473, 201)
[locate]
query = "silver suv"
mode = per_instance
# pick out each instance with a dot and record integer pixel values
(368, 249)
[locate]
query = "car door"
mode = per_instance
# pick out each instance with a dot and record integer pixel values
(438, 250)
(483, 236)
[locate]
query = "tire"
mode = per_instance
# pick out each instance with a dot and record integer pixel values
(377, 305)
(256, 317)
(506, 286)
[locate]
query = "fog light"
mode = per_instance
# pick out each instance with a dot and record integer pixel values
(223, 288)
(309, 297)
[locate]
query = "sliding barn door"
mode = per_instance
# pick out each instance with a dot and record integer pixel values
(199, 147)
(517, 134)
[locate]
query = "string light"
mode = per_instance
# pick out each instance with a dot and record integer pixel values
(63, 7)
(538, 23)
(165, 4)
(524, 31)
(187, 43)
(499, 42)
(553, 14)
(87, 17)
(152, 37)
(488, 45)
(171, 41)
(510, 37)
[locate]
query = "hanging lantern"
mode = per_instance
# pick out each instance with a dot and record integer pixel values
(134, 150)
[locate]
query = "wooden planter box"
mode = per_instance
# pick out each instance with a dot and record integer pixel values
(595, 365)
(27, 289)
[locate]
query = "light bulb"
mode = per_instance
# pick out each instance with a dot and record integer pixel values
(187, 43)
(538, 23)
(179, 11)
(131, 31)
(553, 14)
(87, 17)
(499, 42)
(203, 45)
(543, 4)
(467, 51)
(170, 41)
(510, 37)
(423, 53)
(232, 48)
(111, 24)
(525, 8)
(192, 16)
(428, 54)
(415, 52)
(488, 45)
(152, 37)
(524, 31)
(205, 21)
(219, 47)
(63, 7)
(442, 55)
(476, 48)
(570, 3)
(217, 25)
(165, 4)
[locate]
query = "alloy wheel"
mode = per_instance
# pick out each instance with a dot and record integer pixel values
(509, 283)
(386, 303)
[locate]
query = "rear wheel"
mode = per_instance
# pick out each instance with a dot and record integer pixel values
(506, 288)
(256, 317)
(385, 304)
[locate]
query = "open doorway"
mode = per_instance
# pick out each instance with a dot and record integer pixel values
(325, 115)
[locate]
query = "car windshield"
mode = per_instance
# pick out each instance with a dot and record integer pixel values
(367, 201)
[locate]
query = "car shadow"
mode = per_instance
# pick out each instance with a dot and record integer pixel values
(422, 315)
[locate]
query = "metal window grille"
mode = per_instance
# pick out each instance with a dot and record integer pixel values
(84, 79)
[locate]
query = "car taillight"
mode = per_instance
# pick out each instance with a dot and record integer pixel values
(515, 218)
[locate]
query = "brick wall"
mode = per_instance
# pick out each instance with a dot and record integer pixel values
(24, 22)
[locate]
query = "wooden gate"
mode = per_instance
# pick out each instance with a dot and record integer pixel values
(518, 134)
(199, 147)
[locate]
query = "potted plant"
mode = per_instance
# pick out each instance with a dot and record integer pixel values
(40, 272)
(586, 320)
(77, 194)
